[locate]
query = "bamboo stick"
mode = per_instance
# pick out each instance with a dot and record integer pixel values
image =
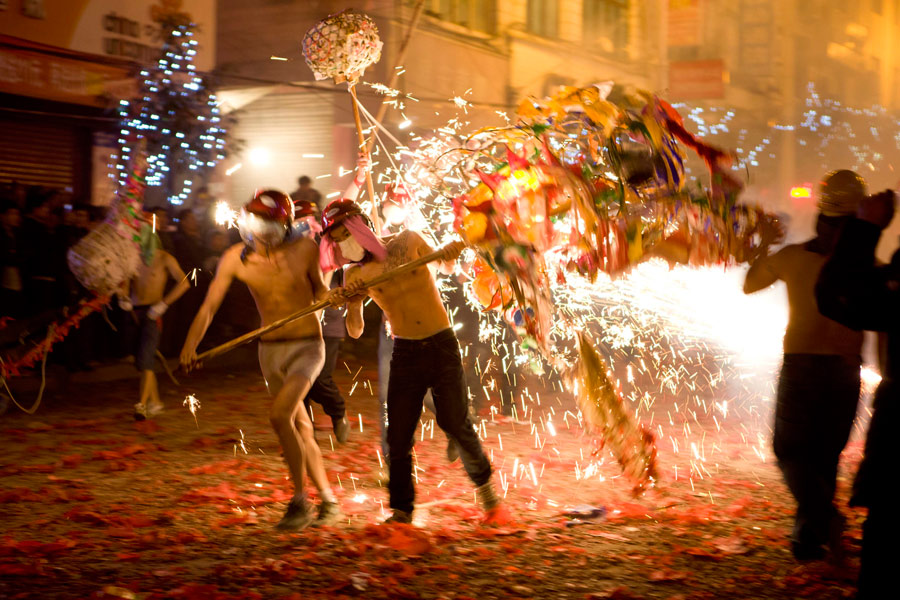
(249, 337)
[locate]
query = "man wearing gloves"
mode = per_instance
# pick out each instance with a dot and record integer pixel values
(147, 302)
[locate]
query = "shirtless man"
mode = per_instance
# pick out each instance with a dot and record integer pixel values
(426, 352)
(283, 275)
(818, 388)
(144, 296)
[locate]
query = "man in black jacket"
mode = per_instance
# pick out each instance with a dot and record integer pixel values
(852, 289)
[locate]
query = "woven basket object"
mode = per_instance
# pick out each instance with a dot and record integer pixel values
(104, 258)
(341, 47)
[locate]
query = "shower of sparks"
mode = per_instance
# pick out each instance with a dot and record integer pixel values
(193, 405)
(225, 215)
(241, 443)
(691, 352)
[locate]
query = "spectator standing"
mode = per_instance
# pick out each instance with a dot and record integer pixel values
(203, 211)
(12, 287)
(79, 344)
(307, 193)
(855, 291)
(44, 259)
(190, 253)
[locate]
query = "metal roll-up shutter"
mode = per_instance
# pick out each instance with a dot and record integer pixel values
(38, 153)
(281, 128)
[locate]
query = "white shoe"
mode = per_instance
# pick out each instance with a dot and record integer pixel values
(143, 412)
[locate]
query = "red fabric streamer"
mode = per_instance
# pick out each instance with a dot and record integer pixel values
(60, 331)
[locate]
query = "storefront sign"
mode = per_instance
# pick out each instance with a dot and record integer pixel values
(111, 28)
(38, 75)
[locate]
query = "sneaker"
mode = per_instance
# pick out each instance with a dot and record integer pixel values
(400, 516)
(140, 412)
(341, 429)
(452, 451)
(155, 409)
(298, 516)
(329, 514)
(488, 496)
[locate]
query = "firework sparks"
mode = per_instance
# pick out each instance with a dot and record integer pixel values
(193, 405)
(225, 215)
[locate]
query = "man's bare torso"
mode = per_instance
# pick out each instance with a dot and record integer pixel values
(149, 283)
(808, 331)
(410, 301)
(280, 285)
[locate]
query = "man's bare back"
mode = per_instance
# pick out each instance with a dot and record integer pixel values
(411, 301)
(281, 283)
(808, 331)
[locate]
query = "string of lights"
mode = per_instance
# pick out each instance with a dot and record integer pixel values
(828, 135)
(176, 116)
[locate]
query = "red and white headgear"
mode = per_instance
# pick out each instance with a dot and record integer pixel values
(267, 218)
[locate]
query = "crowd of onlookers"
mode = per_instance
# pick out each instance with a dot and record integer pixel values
(38, 225)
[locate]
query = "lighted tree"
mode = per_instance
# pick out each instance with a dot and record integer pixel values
(175, 114)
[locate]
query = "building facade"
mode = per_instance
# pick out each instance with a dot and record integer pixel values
(64, 64)
(754, 57)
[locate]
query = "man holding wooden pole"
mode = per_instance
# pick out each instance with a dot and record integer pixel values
(426, 353)
(282, 272)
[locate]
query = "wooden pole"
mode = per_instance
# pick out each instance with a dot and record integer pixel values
(362, 148)
(249, 337)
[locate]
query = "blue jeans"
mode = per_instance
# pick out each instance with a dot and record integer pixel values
(416, 366)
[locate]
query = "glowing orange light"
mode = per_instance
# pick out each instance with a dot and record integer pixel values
(801, 192)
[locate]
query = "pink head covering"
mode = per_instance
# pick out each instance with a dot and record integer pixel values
(330, 257)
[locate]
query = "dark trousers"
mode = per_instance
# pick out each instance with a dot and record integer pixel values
(877, 578)
(324, 390)
(416, 366)
(815, 408)
(874, 489)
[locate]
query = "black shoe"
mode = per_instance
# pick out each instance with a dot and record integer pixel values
(341, 429)
(400, 516)
(452, 451)
(329, 514)
(298, 516)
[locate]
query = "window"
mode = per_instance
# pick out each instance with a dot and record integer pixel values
(605, 24)
(543, 17)
(479, 15)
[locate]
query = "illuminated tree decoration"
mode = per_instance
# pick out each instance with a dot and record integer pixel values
(177, 115)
